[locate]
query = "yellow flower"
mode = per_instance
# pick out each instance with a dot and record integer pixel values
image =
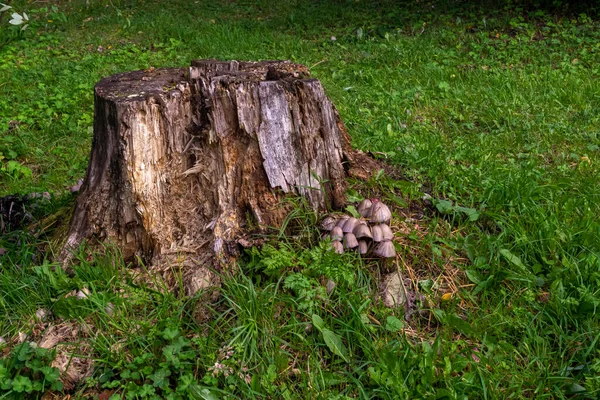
(447, 297)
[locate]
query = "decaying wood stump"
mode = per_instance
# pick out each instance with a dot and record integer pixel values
(184, 160)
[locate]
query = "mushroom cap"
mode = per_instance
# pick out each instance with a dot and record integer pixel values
(41, 314)
(340, 222)
(350, 241)
(364, 208)
(385, 249)
(379, 212)
(337, 234)
(363, 247)
(350, 224)
(329, 286)
(337, 247)
(328, 223)
(362, 231)
(386, 231)
(377, 233)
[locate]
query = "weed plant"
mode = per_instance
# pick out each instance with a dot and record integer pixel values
(491, 113)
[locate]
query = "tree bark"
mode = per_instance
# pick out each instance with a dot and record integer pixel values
(185, 161)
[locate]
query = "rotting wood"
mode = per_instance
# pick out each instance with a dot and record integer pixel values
(182, 158)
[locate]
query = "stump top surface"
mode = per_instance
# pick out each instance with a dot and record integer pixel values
(232, 71)
(132, 86)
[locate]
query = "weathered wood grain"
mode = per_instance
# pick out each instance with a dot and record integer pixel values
(183, 161)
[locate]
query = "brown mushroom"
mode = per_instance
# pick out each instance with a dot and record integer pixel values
(377, 233)
(328, 223)
(362, 231)
(379, 212)
(386, 232)
(337, 234)
(337, 247)
(350, 241)
(329, 286)
(340, 222)
(363, 247)
(385, 249)
(364, 208)
(350, 225)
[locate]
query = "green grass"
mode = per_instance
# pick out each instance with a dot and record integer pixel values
(493, 108)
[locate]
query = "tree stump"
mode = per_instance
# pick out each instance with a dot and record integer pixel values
(184, 161)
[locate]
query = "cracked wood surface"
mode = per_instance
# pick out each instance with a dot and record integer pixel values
(184, 162)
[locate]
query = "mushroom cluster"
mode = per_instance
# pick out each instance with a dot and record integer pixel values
(369, 234)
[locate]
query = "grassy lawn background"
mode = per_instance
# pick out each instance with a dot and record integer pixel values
(492, 110)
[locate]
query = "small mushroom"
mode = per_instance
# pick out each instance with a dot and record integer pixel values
(41, 314)
(385, 249)
(328, 223)
(377, 233)
(350, 241)
(342, 221)
(337, 247)
(364, 208)
(329, 286)
(363, 247)
(362, 231)
(337, 234)
(386, 231)
(77, 187)
(379, 212)
(350, 225)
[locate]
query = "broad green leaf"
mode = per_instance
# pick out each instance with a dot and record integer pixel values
(3, 372)
(57, 385)
(161, 378)
(52, 374)
(318, 322)
(513, 259)
(393, 324)
(445, 86)
(353, 211)
(470, 246)
(24, 352)
(353, 196)
(444, 206)
(199, 392)
(469, 212)
(72, 307)
(170, 334)
(22, 384)
(457, 322)
(474, 276)
(146, 390)
(334, 342)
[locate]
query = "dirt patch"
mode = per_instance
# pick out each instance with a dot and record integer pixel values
(73, 355)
